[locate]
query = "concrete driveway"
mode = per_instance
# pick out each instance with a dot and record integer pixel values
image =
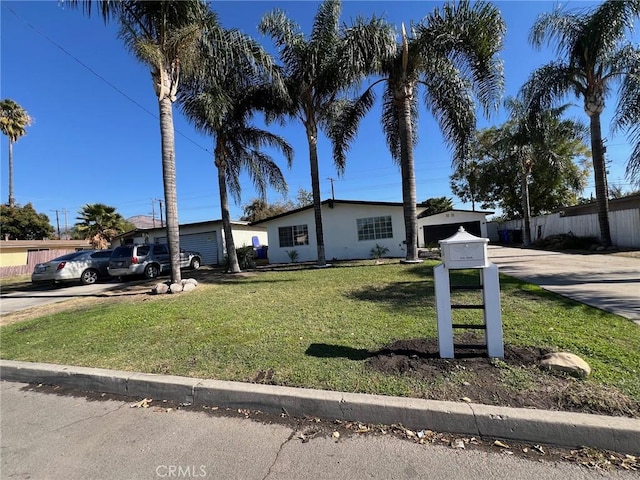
(605, 281)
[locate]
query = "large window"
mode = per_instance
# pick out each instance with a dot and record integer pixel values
(293, 235)
(373, 228)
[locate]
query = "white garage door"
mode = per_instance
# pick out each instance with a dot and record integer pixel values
(205, 243)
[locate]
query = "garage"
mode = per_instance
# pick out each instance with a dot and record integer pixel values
(445, 224)
(433, 233)
(205, 243)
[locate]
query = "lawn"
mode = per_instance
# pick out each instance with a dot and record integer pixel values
(317, 328)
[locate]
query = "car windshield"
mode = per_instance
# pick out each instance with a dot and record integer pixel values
(122, 251)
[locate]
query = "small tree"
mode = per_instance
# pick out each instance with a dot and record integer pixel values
(24, 223)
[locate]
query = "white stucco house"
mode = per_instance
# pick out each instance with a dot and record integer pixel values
(436, 227)
(207, 238)
(351, 229)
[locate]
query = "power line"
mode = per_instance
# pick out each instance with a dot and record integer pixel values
(80, 62)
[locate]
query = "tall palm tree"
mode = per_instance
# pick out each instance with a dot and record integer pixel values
(166, 36)
(14, 121)
(451, 54)
(593, 57)
(99, 223)
(317, 69)
(628, 118)
(223, 110)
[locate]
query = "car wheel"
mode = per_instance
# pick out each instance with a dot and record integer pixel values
(151, 271)
(89, 277)
(195, 263)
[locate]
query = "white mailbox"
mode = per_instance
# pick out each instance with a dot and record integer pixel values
(464, 250)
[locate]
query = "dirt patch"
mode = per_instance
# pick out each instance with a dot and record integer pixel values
(515, 381)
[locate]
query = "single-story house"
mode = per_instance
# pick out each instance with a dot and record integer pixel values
(351, 229)
(207, 238)
(436, 227)
(19, 257)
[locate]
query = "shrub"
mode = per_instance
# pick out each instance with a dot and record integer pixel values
(378, 251)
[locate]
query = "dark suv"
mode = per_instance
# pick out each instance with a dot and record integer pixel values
(149, 260)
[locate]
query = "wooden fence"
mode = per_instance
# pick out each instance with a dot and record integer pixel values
(33, 258)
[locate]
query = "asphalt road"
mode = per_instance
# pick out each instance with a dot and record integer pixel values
(50, 436)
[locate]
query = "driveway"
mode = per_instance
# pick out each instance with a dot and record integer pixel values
(605, 281)
(37, 296)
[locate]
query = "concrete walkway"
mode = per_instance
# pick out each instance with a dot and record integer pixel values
(605, 281)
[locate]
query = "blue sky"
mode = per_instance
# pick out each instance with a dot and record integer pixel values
(96, 139)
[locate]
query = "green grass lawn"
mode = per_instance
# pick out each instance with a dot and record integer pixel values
(312, 328)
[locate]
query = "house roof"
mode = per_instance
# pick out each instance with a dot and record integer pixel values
(194, 224)
(623, 203)
(330, 202)
(50, 244)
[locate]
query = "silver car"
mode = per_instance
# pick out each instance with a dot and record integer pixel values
(148, 260)
(86, 266)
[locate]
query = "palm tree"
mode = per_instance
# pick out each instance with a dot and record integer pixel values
(14, 121)
(529, 137)
(165, 35)
(317, 69)
(628, 118)
(451, 54)
(238, 146)
(99, 223)
(593, 57)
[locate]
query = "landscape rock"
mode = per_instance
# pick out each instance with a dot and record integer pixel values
(175, 288)
(566, 362)
(187, 287)
(192, 281)
(160, 288)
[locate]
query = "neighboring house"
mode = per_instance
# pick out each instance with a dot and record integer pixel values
(19, 257)
(207, 238)
(351, 229)
(582, 221)
(436, 227)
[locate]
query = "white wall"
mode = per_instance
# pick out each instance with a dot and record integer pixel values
(340, 233)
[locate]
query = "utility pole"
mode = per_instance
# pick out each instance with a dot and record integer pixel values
(153, 211)
(161, 220)
(57, 222)
(66, 224)
(333, 195)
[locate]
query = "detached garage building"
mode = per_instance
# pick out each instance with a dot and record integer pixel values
(207, 238)
(442, 225)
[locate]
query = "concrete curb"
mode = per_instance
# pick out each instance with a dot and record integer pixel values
(526, 425)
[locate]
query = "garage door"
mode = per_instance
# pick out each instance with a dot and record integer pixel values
(205, 243)
(433, 233)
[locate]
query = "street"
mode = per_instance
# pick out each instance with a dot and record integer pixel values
(51, 436)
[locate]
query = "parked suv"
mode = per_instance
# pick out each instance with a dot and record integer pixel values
(149, 260)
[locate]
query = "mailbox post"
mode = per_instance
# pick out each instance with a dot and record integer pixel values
(466, 251)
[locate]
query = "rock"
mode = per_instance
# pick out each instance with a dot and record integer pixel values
(175, 288)
(187, 287)
(566, 362)
(192, 281)
(160, 288)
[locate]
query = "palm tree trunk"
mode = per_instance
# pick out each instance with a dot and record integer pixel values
(407, 168)
(232, 256)
(12, 200)
(312, 138)
(600, 176)
(526, 209)
(169, 180)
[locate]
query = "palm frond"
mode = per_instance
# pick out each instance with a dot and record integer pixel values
(549, 84)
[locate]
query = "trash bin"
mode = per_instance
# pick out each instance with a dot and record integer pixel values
(504, 236)
(261, 252)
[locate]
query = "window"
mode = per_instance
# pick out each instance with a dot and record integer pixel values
(294, 235)
(373, 228)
